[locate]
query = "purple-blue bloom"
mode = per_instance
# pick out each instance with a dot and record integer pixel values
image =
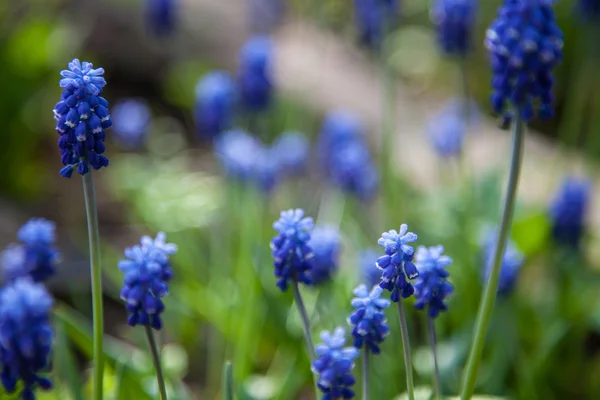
(525, 44)
(25, 336)
(512, 261)
(432, 287)
(215, 104)
(236, 151)
(448, 128)
(81, 118)
(325, 244)
(292, 149)
(334, 365)
(568, 211)
(147, 270)
(370, 275)
(131, 118)
(293, 258)
(368, 319)
(396, 264)
(255, 74)
(454, 21)
(161, 16)
(374, 18)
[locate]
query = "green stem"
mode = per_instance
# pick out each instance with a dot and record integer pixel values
(406, 348)
(489, 293)
(436, 374)
(305, 320)
(227, 381)
(96, 277)
(156, 360)
(365, 374)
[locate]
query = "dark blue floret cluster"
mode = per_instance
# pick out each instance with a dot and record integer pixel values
(161, 16)
(325, 245)
(334, 366)
(345, 157)
(568, 211)
(525, 44)
(255, 73)
(454, 21)
(35, 256)
(291, 253)
(374, 18)
(131, 119)
(396, 265)
(215, 104)
(369, 322)
(25, 336)
(432, 287)
(512, 261)
(81, 118)
(147, 270)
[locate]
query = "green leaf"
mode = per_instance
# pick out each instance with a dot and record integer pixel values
(530, 232)
(65, 363)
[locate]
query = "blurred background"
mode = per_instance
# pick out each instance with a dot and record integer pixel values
(216, 195)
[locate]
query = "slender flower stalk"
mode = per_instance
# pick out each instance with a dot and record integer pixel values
(305, 320)
(156, 360)
(410, 387)
(436, 373)
(365, 374)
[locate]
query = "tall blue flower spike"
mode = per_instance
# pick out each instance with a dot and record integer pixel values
(432, 287)
(396, 264)
(25, 336)
(147, 271)
(512, 261)
(525, 44)
(81, 118)
(368, 319)
(373, 18)
(161, 17)
(35, 257)
(215, 104)
(255, 73)
(293, 258)
(292, 150)
(334, 365)
(325, 244)
(131, 119)
(568, 211)
(454, 21)
(369, 274)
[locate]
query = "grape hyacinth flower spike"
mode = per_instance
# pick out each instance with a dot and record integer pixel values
(374, 18)
(368, 272)
(147, 271)
(215, 104)
(161, 17)
(454, 21)
(568, 211)
(325, 245)
(512, 261)
(25, 336)
(131, 119)
(255, 74)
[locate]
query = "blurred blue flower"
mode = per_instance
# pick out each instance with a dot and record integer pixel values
(215, 103)
(25, 336)
(266, 169)
(396, 264)
(338, 127)
(292, 150)
(334, 365)
(161, 16)
(131, 118)
(373, 18)
(588, 10)
(448, 128)
(512, 261)
(255, 73)
(432, 287)
(291, 253)
(325, 244)
(236, 151)
(525, 44)
(454, 21)
(369, 321)
(568, 211)
(266, 14)
(81, 118)
(370, 275)
(147, 270)
(35, 257)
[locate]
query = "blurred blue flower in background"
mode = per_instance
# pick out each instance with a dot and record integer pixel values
(512, 261)
(25, 336)
(236, 151)
(131, 119)
(369, 274)
(454, 21)
(266, 14)
(81, 118)
(447, 131)
(588, 10)
(214, 107)
(396, 265)
(292, 150)
(368, 320)
(334, 365)
(161, 17)
(525, 44)
(374, 18)
(266, 169)
(325, 243)
(568, 211)
(36, 257)
(291, 253)
(432, 287)
(255, 74)
(147, 270)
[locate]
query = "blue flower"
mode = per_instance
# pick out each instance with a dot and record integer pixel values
(236, 151)
(266, 14)
(396, 264)
(81, 118)
(325, 244)
(161, 16)
(454, 21)
(36, 256)
(525, 44)
(370, 275)
(266, 169)
(292, 150)
(432, 287)
(334, 365)
(369, 321)
(373, 18)
(589, 10)
(215, 103)
(25, 336)
(291, 253)
(131, 118)
(512, 261)
(147, 270)
(448, 128)
(568, 211)
(255, 73)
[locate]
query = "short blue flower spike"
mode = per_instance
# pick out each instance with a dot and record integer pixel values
(368, 320)
(292, 150)
(369, 274)
(81, 118)
(512, 261)
(147, 272)
(293, 258)
(161, 17)
(25, 336)
(396, 265)
(448, 128)
(131, 119)
(255, 74)
(334, 366)
(215, 104)
(432, 287)
(454, 21)
(372, 16)
(325, 244)
(568, 211)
